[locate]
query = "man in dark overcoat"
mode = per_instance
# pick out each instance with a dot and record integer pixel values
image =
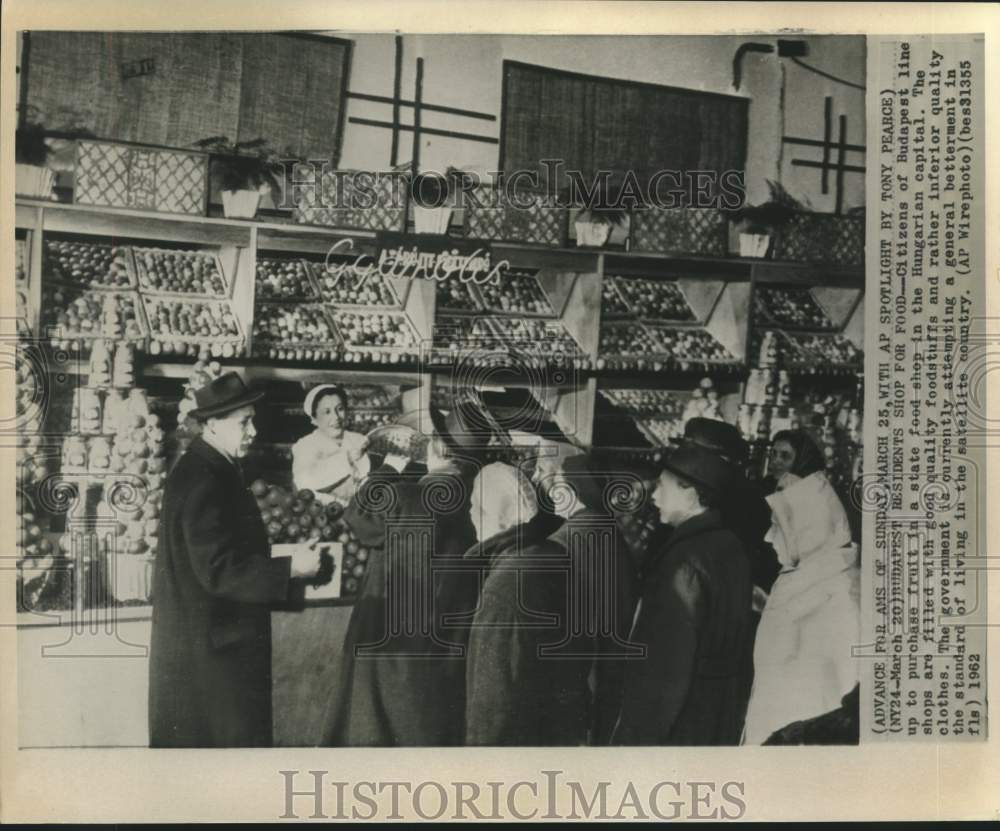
(213, 586)
(694, 616)
(401, 678)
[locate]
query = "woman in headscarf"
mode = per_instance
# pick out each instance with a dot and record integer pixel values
(331, 460)
(803, 665)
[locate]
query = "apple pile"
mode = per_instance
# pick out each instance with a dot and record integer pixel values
(348, 288)
(297, 516)
(654, 299)
(793, 307)
(173, 322)
(87, 264)
(517, 293)
(180, 272)
(454, 295)
(284, 279)
(291, 324)
(624, 339)
(71, 314)
(375, 329)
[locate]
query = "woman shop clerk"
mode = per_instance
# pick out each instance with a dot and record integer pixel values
(331, 460)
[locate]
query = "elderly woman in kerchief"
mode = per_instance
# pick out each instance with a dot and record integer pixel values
(803, 665)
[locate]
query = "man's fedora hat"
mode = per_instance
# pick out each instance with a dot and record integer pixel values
(467, 428)
(701, 467)
(223, 395)
(718, 436)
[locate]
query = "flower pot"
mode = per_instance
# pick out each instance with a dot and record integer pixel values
(754, 245)
(592, 233)
(240, 204)
(33, 180)
(431, 220)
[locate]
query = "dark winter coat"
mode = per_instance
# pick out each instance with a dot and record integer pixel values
(693, 685)
(537, 675)
(214, 581)
(401, 688)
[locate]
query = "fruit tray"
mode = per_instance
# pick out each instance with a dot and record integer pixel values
(648, 403)
(626, 339)
(612, 303)
(685, 344)
(292, 324)
(518, 293)
(790, 308)
(370, 330)
(533, 335)
(79, 314)
(203, 321)
(655, 300)
(822, 350)
(285, 279)
(345, 286)
(175, 273)
(89, 265)
(454, 295)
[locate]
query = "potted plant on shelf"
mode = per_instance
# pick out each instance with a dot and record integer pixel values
(31, 176)
(759, 225)
(246, 171)
(595, 224)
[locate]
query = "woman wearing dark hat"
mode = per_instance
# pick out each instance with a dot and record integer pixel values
(331, 460)
(213, 585)
(691, 688)
(401, 683)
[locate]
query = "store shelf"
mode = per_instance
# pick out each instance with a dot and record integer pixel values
(260, 371)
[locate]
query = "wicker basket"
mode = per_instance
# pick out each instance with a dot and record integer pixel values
(700, 231)
(144, 178)
(318, 204)
(490, 215)
(830, 239)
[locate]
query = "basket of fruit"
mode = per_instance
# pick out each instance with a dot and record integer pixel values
(71, 315)
(343, 285)
(656, 300)
(293, 331)
(177, 273)
(89, 265)
(285, 279)
(516, 292)
(186, 326)
(789, 308)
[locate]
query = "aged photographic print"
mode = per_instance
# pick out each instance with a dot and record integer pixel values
(406, 390)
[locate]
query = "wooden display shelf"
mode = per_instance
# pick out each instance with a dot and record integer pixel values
(265, 371)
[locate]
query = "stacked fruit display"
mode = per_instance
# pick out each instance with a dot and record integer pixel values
(459, 333)
(612, 303)
(517, 292)
(344, 286)
(686, 346)
(654, 299)
(284, 279)
(88, 264)
(375, 329)
(297, 517)
(816, 350)
(286, 331)
(70, 314)
(185, 326)
(455, 295)
(180, 272)
(794, 308)
(625, 346)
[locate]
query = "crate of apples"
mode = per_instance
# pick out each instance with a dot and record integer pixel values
(288, 323)
(654, 299)
(345, 286)
(176, 272)
(90, 265)
(70, 315)
(455, 295)
(612, 303)
(625, 339)
(295, 516)
(378, 330)
(284, 279)
(793, 308)
(517, 292)
(176, 324)
(690, 346)
(822, 350)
